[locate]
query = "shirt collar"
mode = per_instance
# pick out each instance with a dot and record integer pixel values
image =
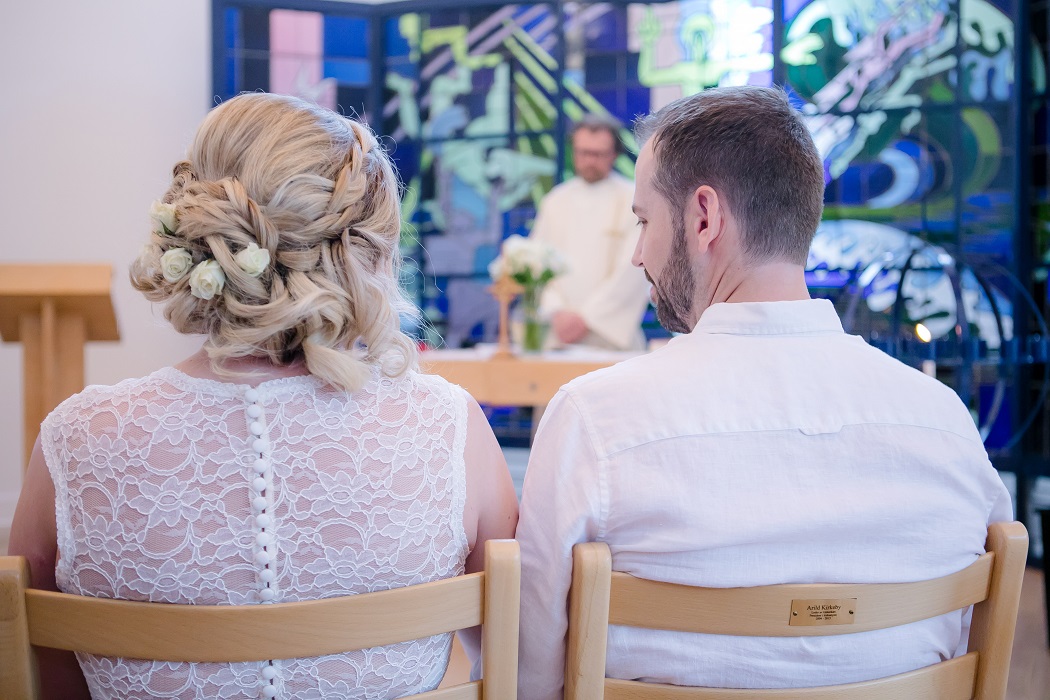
(770, 318)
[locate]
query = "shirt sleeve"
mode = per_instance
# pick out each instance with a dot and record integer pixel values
(1002, 509)
(561, 506)
(614, 309)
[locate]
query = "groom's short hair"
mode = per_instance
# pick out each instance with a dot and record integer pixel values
(751, 146)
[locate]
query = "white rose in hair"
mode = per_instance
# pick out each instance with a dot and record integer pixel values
(207, 280)
(163, 216)
(175, 263)
(253, 260)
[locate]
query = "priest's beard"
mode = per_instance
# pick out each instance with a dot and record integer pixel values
(674, 293)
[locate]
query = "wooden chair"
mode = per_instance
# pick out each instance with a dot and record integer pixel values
(233, 633)
(599, 597)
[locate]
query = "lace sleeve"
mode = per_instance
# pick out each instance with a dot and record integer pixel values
(53, 444)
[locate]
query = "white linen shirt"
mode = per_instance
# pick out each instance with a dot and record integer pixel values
(765, 447)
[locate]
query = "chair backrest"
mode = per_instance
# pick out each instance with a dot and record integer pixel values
(231, 633)
(600, 597)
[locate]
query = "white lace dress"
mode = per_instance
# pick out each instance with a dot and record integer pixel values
(182, 490)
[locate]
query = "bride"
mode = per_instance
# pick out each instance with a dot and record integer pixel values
(299, 454)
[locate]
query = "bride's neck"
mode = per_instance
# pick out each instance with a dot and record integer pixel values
(250, 369)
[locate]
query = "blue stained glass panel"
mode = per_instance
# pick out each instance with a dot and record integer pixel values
(349, 72)
(396, 43)
(602, 69)
(604, 31)
(608, 98)
(444, 18)
(636, 102)
(346, 37)
(255, 29)
(232, 28)
(231, 76)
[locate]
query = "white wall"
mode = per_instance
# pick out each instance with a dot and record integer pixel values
(98, 100)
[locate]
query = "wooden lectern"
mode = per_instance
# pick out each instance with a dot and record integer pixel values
(53, 310)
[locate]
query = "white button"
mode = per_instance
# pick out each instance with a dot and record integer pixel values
(254, 411)
(263, 520)
(251, 396)
(260, 445)
(267, 594)
(260, 466)
(267, 576)
(262, 557)
(268, 672)
(259, 484)
(259, 503)
(256, 427)
(264, 539)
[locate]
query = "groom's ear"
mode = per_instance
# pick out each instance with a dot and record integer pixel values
(705, 218)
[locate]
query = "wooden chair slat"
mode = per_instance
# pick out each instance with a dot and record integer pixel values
(206, 633)
(466, 691)
(950, 680)
(765, 611)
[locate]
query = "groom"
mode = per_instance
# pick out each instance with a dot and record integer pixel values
(761, 446)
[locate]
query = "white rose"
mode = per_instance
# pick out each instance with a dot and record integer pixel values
(513, 250)
(253, 260)
(207, 280)
(515, 254)
(512, 261)
(497, 268)
(515, 241)
(163, 216)
(536, 262)
(175, 263)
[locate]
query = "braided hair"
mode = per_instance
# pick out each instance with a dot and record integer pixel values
(318, 193)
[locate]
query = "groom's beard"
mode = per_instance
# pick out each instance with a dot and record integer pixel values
(674, 293)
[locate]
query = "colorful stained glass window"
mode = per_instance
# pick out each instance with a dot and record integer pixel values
(914, 106)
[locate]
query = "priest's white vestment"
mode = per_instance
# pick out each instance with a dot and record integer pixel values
(593, 227)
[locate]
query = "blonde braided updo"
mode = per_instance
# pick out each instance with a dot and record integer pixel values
(316, 191)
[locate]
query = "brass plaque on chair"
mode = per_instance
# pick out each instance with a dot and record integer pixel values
(829, 611)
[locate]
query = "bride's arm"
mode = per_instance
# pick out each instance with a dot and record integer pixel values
(34, 536)
(491, 509)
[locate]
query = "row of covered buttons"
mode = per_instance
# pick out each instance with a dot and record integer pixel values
(262, 500)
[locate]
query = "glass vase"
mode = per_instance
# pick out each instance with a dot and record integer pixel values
(533, 328)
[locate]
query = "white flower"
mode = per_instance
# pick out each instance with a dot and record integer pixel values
(175, 263)
(527, 259)
(163, 216)
(253, 260)
(497, 268)
(207, 280)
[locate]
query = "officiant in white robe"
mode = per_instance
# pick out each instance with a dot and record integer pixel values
(600, 301)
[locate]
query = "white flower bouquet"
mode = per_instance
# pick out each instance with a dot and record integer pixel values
(528, 262)
(532, 264)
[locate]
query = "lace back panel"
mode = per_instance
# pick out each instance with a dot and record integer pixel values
(183, 490)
